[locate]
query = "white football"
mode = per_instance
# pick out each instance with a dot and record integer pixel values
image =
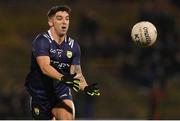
(144, 34)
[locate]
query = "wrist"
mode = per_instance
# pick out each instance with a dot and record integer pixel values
(85, 88)
(60, 77)
(83, 85)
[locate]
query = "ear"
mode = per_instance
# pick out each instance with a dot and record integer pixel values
(50, 22)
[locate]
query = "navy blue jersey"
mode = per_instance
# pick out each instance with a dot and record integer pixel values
(62, 56)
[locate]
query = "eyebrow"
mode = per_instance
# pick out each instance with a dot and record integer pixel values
(62, 16)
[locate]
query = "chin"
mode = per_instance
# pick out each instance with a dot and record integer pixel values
(62, 34)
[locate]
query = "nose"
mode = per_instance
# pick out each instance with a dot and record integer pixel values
(64, 21)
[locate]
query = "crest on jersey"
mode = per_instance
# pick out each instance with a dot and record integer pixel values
(36, 110)
(69, 54)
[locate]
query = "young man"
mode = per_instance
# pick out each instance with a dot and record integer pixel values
(55, 69)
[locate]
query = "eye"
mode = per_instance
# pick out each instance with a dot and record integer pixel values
(67, 18)
(59, 18)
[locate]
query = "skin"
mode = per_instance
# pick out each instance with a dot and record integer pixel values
(59, 24)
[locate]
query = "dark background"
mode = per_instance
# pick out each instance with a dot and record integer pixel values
(136, 83)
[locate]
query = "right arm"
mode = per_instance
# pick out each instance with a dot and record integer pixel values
(41, 53)
(47, 69)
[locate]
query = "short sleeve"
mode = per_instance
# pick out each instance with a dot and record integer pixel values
(40, 47)
(77, 55)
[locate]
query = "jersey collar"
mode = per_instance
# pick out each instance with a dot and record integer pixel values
(49, 32)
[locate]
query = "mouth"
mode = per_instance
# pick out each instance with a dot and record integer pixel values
(63, 28)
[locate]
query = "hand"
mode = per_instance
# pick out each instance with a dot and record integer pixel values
(92, 90)
(71, 81)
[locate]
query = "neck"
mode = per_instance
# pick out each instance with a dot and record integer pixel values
(58, 38)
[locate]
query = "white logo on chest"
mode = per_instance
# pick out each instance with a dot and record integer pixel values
(58, 51)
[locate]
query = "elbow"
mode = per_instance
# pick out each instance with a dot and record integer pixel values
(44, 70)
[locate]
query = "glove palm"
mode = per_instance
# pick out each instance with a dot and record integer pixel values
(72, 82)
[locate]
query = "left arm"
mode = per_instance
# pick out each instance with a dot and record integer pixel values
(92, 89)
(77, 69)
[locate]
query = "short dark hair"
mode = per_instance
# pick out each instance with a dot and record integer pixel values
(53, 10)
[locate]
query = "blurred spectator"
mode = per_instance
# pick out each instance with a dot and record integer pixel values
(88, 28)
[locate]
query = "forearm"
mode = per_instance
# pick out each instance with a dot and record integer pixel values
(51, 72)
(77, 69)
(47, 69)
(83, 82)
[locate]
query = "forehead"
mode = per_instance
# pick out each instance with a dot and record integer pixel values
(62, 13)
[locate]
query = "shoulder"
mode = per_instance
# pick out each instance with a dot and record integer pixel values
(42, 37)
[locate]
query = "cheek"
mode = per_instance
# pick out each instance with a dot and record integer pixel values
(68, 24)
(57, 24)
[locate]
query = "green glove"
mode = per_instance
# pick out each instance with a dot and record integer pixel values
(92, 90)
(70, 81)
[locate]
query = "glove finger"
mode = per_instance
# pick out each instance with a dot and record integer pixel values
(97, 93)
(77, 81)
(76, 88)
(96, 90)
(90, 93)
(69, 82)
(76, 85)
